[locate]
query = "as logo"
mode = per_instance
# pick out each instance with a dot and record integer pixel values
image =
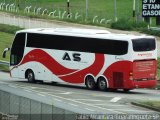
(74, 57)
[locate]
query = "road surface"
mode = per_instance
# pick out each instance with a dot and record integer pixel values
(81, 98)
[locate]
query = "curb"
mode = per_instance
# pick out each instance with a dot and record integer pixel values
(4, 71)
(145, 106)
(4, 63)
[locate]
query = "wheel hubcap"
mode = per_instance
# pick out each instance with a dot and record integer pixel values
(30, 76)
(90, 84)
(102, 84)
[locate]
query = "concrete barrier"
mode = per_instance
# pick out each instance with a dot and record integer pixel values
(13, 106)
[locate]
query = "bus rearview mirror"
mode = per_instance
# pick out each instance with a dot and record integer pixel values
(4, 52)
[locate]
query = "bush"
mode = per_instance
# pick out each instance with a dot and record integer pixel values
(159, 63)
(128, 24)
(122, 24)
(9, 28)
(150, 32)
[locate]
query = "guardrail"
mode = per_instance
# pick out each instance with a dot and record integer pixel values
(4, 63)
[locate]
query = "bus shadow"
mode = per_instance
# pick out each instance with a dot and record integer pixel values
(82, 87)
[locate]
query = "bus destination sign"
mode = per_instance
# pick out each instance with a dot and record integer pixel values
(150, 8)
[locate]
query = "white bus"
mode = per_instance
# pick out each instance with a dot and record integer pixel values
(95, 58)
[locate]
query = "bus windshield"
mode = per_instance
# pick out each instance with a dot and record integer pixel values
(143, 44)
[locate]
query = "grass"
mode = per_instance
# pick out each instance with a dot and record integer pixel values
(158, 70)
(100, 13)
(103, 9)
(4, 68)
(155, 104)
(5, 41)
(130, 24)
(9, 28)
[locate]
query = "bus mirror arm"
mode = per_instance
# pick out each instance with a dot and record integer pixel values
(4, 52)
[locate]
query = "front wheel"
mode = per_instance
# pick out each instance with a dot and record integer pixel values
(30, 76)
(90, 83)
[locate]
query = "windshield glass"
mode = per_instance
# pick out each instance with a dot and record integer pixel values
(143, 44)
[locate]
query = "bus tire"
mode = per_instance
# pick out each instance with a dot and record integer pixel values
(30, 76)
(90, 83)
(102, 84)
(126, 90)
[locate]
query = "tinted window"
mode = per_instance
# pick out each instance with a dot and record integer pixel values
(81, 44)
(144, 44)
(17, 48)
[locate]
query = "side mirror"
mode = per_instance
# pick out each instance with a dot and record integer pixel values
(4, 52)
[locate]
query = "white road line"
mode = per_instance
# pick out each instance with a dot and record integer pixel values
(12, 86)
(57, 100)
(115, 99)
(89, 109)
(27, 90)
(73, 104)
(133, 110)
(47, 89)
(86, 104)
(65, 93)
(87, 100)
(109, 104)
(41, 94)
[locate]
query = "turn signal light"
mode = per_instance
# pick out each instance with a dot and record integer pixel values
(131, 75)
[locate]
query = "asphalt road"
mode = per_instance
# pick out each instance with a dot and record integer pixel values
(80, 98)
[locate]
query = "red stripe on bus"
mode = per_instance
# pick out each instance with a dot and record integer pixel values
(71, 75)
(48, 61)
(94, 69)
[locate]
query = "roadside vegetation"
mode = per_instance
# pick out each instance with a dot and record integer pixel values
(5, 42)
(158, 70)
(6, 37)
(100, 13)
(151, 104)
(132, 25)
(4, 68)
(11, 29)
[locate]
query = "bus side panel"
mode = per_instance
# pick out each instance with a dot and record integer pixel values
(117, 74)
(45, 65)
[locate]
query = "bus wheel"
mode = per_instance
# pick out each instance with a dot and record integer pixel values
(126, 90)
(102, 84)
(30, 76)
(90, 83)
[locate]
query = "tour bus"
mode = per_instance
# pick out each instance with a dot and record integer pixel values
(95, 58)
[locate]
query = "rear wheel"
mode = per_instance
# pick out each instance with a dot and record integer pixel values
(90, 83)
(102, 84)
(126, 90)
(30, 76)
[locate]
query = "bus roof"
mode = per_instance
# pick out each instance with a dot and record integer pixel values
(90, 33)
